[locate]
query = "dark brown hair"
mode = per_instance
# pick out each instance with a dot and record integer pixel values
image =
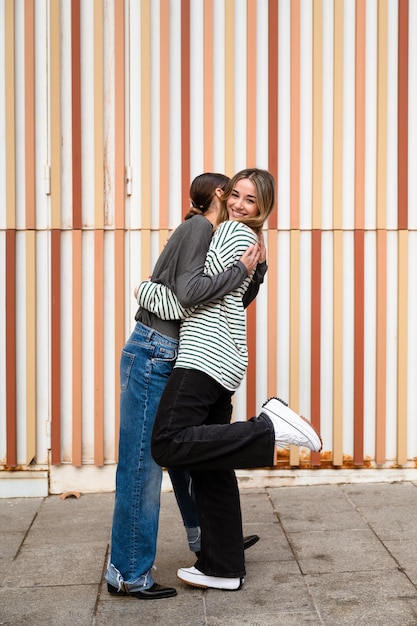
(202, 191)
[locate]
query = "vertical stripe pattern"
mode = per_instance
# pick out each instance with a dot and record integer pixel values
(109, 109)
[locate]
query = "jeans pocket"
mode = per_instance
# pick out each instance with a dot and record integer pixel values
(164, 353)
(126, 363)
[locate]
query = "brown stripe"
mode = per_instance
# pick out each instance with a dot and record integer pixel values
(11, 417)
(99, 348)
(185, 104)
(76, 115)
(402, 352)
(30, 189)
(381, 345)
(358, 385)
(315, 335)
(119, 114)
(55, 347)
(402, 114)
(273, 97)
(77, 373)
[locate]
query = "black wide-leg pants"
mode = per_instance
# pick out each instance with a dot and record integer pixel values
(192, 429)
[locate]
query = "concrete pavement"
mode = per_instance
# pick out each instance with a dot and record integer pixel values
(329, 554)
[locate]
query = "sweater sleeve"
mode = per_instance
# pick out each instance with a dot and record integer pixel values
(184, 274)
(161, 301)
(256, 282)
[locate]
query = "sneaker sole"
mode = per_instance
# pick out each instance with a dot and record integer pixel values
(291, 416)
(202, 586)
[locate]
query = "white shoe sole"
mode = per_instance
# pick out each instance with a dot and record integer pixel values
(195, 578)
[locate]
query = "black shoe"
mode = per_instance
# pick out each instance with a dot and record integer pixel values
(248, 542)
(156, 592)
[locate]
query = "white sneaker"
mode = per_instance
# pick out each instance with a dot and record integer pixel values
(290, 428)
(192, 576)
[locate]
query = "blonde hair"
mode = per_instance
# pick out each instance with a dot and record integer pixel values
(265, 196)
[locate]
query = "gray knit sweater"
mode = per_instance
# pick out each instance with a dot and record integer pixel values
(180, 267)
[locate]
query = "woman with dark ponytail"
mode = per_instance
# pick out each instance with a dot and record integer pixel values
(147, 361)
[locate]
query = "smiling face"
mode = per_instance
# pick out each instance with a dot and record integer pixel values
(242, 201)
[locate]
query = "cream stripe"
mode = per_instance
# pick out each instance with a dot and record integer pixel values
(146, 114)
(145, 242)
(371, 114)
(326, 221)
(305, 165)
(119, 324)
(229, 89)
(283, 321)
(99, 347)
(251, 55)
(55, 116)
(381, 345)
(370, 316)
(9, 71)
(295, 116)
(337, 347)
(272, 278)
(30, 193)
(251, 161)
(284, 115)
(402, 359)
(381, 206)
(77, 373)
(209, 90)
(98, 115)
(391, 379)
(317, 112)
(164, 108)
(412, 113)
(338, 117)
(294, 396)
(412, 341)
(30, 346)
(360, 114)
(119, 113)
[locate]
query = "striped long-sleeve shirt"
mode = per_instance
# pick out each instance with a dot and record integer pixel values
(212, 336)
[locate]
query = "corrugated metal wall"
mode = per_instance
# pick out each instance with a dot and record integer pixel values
(109, 108)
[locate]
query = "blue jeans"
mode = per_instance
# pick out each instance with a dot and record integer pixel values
(146, 363)
(184, 493)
